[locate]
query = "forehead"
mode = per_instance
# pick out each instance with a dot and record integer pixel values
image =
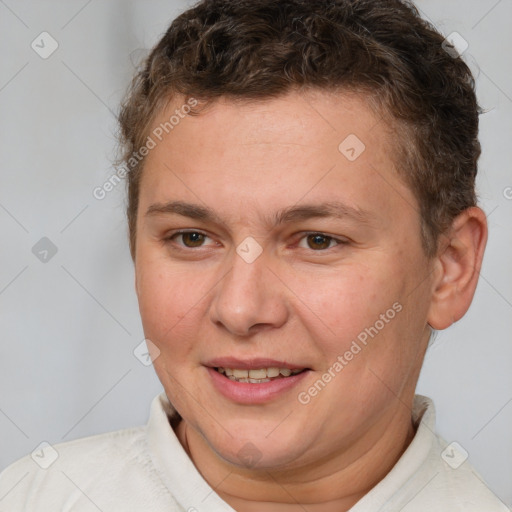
(283, 150)
(314, 119)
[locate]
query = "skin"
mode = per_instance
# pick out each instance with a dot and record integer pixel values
(302, 300)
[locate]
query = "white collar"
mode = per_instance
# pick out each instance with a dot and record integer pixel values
(192, 491)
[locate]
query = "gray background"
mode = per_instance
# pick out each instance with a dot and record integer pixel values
(69, 326)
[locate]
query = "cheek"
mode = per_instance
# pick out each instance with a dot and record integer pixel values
(164, 299)
(342, 305)
(173, 306)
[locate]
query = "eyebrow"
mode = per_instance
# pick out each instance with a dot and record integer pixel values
(330, 209)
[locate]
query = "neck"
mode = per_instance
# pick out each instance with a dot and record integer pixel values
(334, 484)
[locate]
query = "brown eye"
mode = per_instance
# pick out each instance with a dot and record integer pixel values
(190, 239)
(195, 239)
(318, 241)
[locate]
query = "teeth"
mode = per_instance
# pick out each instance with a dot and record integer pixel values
(256, 376)
(272, 372)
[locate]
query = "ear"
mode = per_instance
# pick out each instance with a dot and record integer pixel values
(457, 266)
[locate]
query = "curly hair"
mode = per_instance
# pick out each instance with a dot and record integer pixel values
(383, 49)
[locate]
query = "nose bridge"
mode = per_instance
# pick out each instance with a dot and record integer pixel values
(249, 293)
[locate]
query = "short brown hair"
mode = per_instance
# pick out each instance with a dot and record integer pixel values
(259, 49)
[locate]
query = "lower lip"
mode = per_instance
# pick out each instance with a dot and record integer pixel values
(247, 393)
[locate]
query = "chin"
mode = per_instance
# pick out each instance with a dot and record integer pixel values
(253, 448)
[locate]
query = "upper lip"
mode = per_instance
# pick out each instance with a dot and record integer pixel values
(251, 364)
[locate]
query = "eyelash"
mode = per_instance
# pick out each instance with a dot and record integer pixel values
(170, 239)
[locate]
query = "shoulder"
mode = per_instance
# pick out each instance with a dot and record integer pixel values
(444, 478)
(462, 488)
(85, 469)
(431, 475)
(92, 451)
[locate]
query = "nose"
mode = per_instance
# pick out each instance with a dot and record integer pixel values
(250, 298)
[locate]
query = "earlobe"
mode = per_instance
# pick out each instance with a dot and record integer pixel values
(458, 265)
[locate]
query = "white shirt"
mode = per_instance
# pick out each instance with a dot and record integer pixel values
(147, 469)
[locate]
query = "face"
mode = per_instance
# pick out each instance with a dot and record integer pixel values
(267, 275)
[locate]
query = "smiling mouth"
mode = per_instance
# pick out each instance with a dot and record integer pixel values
(258, 376)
